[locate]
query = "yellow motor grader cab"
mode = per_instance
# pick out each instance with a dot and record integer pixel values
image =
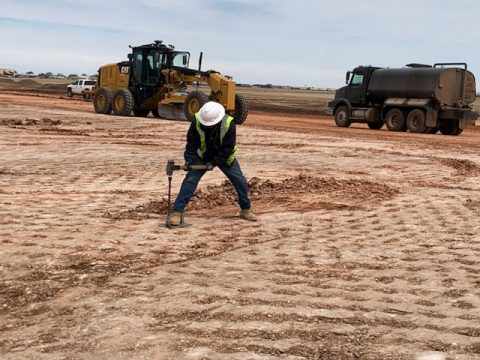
(156, 79)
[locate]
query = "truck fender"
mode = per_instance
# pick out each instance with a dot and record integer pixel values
(339, 102)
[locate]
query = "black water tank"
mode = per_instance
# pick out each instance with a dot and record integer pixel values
(450, 86)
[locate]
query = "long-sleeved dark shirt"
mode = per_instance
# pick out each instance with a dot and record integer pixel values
(216, 153)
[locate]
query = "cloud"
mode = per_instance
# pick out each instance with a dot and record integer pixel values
(35, 25)
(316, 40)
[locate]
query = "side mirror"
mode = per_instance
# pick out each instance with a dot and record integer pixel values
(347, 77)
(185, 60)
(130, 56)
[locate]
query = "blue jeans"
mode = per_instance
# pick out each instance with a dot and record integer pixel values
(233, 173)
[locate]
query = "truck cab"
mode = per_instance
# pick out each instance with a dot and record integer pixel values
(355, 92)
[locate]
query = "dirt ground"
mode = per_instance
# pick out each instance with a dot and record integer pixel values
(367, 245)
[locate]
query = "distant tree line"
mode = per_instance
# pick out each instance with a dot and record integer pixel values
(51, 75)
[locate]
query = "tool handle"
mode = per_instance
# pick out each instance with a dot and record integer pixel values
(195, 167)
(169, 199)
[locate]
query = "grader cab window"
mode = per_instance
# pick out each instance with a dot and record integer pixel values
(147, 66)
(154, 62)
(181, 59)
(137, 67)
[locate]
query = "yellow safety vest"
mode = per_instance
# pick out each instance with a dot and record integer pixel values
(225, 125)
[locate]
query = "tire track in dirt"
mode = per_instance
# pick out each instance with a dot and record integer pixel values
(391, 276)
(407, 270)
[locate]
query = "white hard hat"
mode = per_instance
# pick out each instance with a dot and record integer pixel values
(211, 113)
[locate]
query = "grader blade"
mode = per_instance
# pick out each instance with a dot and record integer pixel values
(171, 111)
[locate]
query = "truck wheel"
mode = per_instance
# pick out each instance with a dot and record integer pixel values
(69, 92)
(450, 127)
(416, 121)
(123, 102)
(141, 112)
(193, 102)
(241, 110)
(377, 125)
(102, 101)
(342, 116)
(395, 120)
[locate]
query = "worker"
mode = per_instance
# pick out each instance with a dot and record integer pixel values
(211, 140)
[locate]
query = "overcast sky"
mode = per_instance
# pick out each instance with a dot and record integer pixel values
(282, 42)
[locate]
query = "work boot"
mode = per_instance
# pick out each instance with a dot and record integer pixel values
(175, 218)
(248, 214)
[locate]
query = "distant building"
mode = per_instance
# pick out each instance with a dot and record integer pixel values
(4, 72)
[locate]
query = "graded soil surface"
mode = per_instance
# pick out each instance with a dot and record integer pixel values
(367, 245)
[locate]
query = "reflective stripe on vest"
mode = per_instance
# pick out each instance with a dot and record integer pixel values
(224, 126)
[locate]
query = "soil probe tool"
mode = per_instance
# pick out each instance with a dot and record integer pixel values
(171, 167)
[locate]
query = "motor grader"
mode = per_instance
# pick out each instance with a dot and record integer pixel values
(156, 79)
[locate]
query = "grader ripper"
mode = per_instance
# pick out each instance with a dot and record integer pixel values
(156, 79)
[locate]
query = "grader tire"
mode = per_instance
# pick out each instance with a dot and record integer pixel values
(123, 102)
(241, 110)
(102, 101)
(193, 102)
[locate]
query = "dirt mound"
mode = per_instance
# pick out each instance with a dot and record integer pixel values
(463, 167)
(300, 193)
(54, 87)
(26, 85)
(6, 81)
(287, 109)
(29, 122)
(9, 84)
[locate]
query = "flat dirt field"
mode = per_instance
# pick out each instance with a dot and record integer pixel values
(367, 247)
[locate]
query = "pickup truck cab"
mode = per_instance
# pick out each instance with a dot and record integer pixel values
(79, 86)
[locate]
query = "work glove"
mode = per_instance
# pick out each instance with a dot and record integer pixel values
(186, 166)
(209, 166)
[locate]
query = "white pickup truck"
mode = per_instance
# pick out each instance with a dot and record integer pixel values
(79, 86)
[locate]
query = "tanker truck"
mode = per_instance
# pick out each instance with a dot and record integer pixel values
(420, 98)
